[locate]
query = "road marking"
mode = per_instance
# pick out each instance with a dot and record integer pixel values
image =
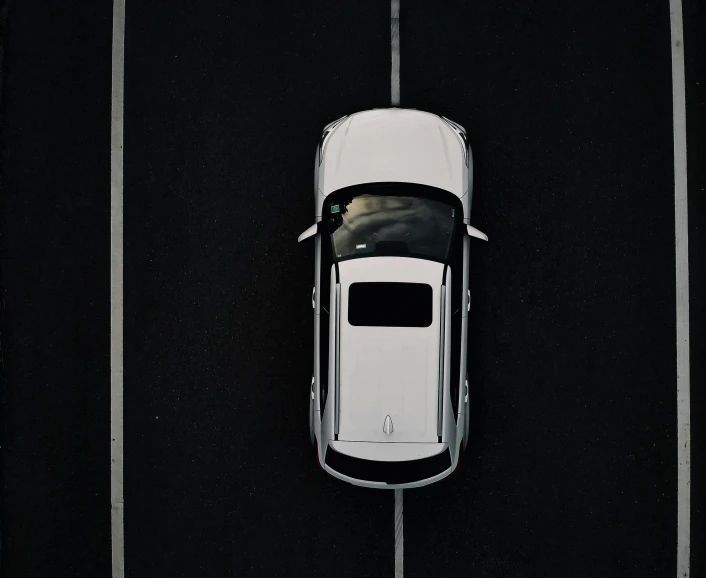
(399, 537)
(682, 284)
(116, 293)
(395, 94)
(395, 34)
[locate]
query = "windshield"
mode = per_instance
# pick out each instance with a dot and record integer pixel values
(390, 221)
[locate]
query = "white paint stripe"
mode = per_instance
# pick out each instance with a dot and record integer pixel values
(395, 94)
(399, 537)
(682, 286)
(116, 293)
(395, 36)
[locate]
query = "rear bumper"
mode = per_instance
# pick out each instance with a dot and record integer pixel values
(430, 463)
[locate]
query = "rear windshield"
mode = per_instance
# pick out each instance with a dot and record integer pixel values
(388, 472)
(390, 304)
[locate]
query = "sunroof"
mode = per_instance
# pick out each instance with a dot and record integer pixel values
(390, 304)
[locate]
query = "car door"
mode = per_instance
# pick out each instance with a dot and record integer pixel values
(458, 287)
(323, 316)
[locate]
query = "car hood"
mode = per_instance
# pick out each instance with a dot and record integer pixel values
(389, 371)
(394, 145)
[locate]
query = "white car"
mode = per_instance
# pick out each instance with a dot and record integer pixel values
(388, 406)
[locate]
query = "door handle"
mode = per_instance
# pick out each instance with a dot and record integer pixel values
(465, 399)
(469, 300)
(312, 388)
(313, 298)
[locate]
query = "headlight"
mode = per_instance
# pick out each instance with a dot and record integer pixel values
(461, 134)
(328, 129)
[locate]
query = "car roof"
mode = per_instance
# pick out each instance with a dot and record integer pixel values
(389, 370)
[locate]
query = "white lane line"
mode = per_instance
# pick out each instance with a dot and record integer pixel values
(395, 36)
(682, 286)
(395, 94)
(116, 293)
(399, 537)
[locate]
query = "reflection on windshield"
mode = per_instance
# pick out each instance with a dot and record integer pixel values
(368, 225)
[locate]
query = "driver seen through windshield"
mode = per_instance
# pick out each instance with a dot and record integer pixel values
(372, 225)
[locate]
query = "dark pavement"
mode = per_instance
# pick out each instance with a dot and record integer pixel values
(569, 111)
(224, 103)
(572, 467)
(55, 327)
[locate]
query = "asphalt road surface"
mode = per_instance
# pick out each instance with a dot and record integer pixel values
(572, 466)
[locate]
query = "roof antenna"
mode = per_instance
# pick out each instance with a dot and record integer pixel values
(387, 426)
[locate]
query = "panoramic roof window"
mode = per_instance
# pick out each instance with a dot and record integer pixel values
(404, 225)
(390, 304)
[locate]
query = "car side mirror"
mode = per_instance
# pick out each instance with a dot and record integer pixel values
(310, 232)
(473, 232)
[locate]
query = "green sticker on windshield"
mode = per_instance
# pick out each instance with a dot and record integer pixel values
(335, 209)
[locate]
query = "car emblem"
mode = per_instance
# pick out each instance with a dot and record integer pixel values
(387, 426)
